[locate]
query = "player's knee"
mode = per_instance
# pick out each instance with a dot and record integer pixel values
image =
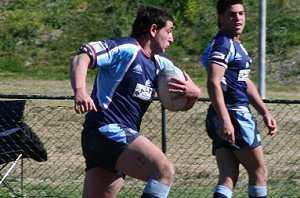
(265, 175)
(259, 176)
(168, 172)
(171, 170)
(262, 172)
(229, 181)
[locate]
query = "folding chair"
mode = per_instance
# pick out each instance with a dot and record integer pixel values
(17, 140)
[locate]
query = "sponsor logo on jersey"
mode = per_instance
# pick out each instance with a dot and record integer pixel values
(243, 74)
(138, 69)
(238, 56)
(143, 92)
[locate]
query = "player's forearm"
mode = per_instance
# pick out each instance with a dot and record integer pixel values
(255, 99)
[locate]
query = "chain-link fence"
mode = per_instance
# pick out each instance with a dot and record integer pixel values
(181, 135)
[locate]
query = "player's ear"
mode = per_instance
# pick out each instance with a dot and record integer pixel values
(153, 30)
(220, 20)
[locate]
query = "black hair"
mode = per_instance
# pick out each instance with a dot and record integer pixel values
(223, 5)
(147, 16)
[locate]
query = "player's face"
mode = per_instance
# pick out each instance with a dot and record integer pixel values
(163, 38)
(233, 21)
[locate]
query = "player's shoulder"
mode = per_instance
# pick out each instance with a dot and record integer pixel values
(123, 46)
(119, 41)
(111, 43)
(221, 39)
(163, 60)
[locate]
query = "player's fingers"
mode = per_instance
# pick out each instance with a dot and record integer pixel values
(272, 131)
(85, 106)
(78, 108)
(186, 76)
(174, 85)
(272, 125)
(176, 82)
(81, 108)
(228, 137)
(93, 107)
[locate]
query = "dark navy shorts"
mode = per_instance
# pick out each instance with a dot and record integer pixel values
(246, 133)
(102, 147)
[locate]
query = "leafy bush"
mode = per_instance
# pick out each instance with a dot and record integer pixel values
(42, 36)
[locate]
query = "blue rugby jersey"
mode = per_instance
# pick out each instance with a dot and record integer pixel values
(125, 83)
(230, 54)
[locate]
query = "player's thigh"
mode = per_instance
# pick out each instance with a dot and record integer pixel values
(251, 158)
(144, 160)
(253, 161)
(228, 166)
(99, 182)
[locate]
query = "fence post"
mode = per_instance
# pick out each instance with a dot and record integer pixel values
(164, 129)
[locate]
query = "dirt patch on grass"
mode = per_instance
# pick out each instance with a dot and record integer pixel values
(35, 87)
(63, 88)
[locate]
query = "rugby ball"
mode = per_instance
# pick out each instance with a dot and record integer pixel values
(165, 97)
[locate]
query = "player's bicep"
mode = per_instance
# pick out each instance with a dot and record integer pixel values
(82, 60)
(215, 71)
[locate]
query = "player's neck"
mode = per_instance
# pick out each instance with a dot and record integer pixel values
(233, 37)
(145, 46)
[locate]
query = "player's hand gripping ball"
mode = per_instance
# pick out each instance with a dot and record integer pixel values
(168, 99)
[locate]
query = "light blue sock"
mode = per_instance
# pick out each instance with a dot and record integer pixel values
(257, 191)
(223, 190)
(157, 189)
